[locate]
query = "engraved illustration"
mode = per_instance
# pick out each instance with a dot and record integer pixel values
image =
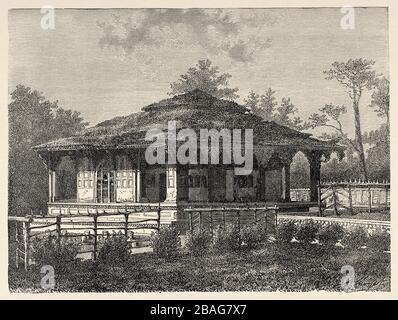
(159, 150)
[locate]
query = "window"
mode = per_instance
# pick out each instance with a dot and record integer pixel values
(85, 179)
(121, 181)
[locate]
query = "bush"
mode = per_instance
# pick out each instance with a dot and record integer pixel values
(330, 234)
(286, 231)
(380, 240)
(227, 240)
(166, 243)
(252, 236)
(307, 231)
(199, 242)
(114, 251)
(47, 251)
(356, 238)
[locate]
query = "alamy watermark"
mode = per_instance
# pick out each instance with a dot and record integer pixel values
(165, 143)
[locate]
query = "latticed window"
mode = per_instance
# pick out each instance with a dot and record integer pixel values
(124, 179)
(85, 179)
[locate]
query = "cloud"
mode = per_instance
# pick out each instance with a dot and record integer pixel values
(237, 33)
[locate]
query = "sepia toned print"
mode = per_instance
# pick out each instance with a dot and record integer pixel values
(162, 150)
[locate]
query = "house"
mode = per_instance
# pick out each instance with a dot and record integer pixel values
(111, 173)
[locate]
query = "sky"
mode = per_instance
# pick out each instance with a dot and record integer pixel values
(106, 63)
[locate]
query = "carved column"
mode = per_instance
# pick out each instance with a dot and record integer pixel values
(229, 184)
(286, 182)
(314, 158)
(138, 179)
(286, 158)
(52, 164)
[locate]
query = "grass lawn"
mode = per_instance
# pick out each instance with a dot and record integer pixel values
(288, 267)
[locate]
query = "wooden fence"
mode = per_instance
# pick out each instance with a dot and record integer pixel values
(369, 226)
(23, 229)
(214, 218)
(353, 196)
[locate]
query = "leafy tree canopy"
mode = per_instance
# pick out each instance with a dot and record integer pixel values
(206, 77)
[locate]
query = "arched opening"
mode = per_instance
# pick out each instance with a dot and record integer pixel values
(66, 180)
(300, 178)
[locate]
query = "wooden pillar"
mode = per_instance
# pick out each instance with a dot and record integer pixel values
(286, 182)
(350, 199)
(314, 158)
(229, 184)
(16, 245)
(26, 235)
(95, 244)
(50, 186)
(138, 178)
(95, 182)
(109, 186)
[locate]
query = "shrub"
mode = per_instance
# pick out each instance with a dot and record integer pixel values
(252, 236)
(356, 238)
(47, 251)
(199, 242)
(380, 240)
(227, 240)
(286, 231)
(330, 234)
(307, 231)
(166, 243)
(114, 251)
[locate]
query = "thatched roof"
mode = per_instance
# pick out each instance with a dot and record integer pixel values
(196, 110)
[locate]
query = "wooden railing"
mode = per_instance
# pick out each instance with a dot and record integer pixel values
(214, 218)
(353, 196)
(23, 229)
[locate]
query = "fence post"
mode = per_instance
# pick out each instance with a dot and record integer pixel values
(369, 199)
(158, 217)
(58, 230)
(17, 245)
(319, 200)
(350, 198)
(238, 225)
(223, 219)
(190, 221)
(126, 224)
(255, 215)
(266, 220)
(386, 197)
(238, 219)
(211, 224)
(95, 244)
(26, 226)
(200, 220)
(334, 201)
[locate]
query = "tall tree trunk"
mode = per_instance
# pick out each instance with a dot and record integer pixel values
(358, 136)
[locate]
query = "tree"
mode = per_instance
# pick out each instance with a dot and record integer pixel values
(356, 75)
(266, 107)
(330, 118)
(205, 77)
(33, 120)
(381, 99)
(262, 106)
